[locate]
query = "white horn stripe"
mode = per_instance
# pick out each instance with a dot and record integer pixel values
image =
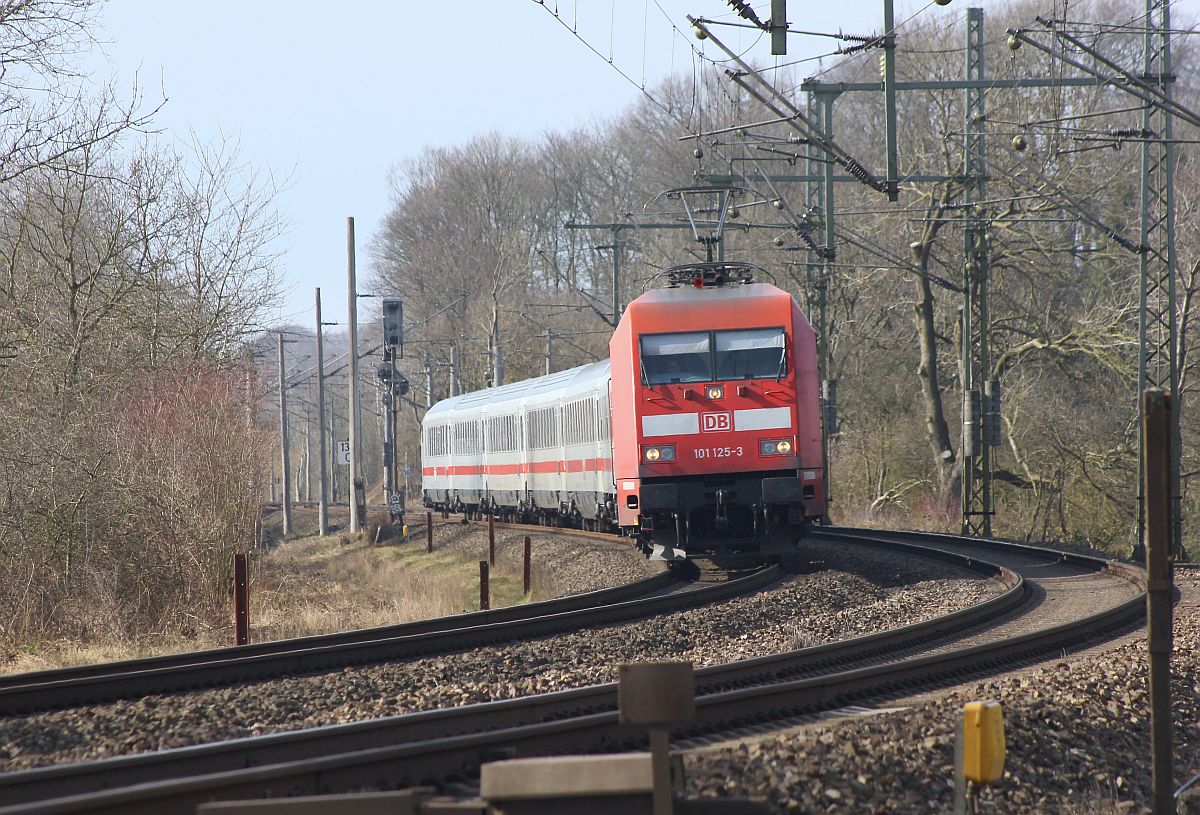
(688, 424)
(671, 424)
(762, 419)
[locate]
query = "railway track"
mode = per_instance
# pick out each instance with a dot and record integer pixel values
(89, 684)
(449, 743)
(21, 693)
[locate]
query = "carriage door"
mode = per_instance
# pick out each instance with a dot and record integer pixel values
(523, 454)
(607, 430)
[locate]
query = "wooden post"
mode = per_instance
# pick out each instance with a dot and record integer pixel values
(241, 599)
(1156, 439)
(491, 539)
(429, 531)
(525, 579)
(657, 695)
(660, 770)
(484, 603)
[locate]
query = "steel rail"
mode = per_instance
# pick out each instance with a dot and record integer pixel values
(319, 653)
(1126, 571)
(85, 777)
(570, 602)
(614, 594)
(459, 756)
(385, 765)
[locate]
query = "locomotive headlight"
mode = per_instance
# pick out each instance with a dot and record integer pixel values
(662, 452)
(715, 391)
(775, 447)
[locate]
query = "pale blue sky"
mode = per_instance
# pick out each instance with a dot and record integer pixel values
(331, 99)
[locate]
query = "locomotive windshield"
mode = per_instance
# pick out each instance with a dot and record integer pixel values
(668, 358)
(706, 356)
(750, 353)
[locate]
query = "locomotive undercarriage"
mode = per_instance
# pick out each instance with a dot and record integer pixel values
(756, 513)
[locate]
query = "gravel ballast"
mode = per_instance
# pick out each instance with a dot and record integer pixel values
(1078, 741)
(1077, 727)
(851, 591)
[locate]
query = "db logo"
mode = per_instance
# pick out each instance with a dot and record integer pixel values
(710, 422)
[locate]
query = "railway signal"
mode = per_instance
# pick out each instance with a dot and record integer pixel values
(394, 383)
(393, 323)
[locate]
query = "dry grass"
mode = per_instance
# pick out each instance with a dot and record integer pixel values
(312, 585)
(64, 653)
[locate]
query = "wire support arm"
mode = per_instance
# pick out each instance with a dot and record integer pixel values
(1074, 205)
(795, 117)
(799, 121)
(1120, 78)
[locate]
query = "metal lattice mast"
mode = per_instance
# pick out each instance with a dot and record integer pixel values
(812, 268)
(976, 362)
(820, 199)
(1158, 328)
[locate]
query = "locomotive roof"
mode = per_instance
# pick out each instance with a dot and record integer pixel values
(743, 292)
(575, 377)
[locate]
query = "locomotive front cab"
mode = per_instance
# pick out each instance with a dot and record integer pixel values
(722, 451)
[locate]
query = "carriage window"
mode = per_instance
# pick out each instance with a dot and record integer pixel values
(668, 358)
(750, 353)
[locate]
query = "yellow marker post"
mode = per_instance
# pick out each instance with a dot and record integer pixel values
(979, 752)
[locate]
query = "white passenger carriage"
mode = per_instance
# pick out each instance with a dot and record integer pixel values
(540, 447)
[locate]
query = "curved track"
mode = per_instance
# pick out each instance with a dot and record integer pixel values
(124, 680)
(89, 684)
(447, 743)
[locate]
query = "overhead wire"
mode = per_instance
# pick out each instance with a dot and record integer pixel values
(699, 57)
(612, 62)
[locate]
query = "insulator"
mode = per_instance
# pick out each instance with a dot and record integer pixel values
(862, 174)
(854, 49)
(972, 432)
(991, 414)
(1019, 142)
(745, 11)
(1014, 42)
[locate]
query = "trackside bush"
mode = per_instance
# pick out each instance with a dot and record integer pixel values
(131, 529)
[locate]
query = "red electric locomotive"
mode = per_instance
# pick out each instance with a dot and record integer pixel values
(716, 414)
(701, 434)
